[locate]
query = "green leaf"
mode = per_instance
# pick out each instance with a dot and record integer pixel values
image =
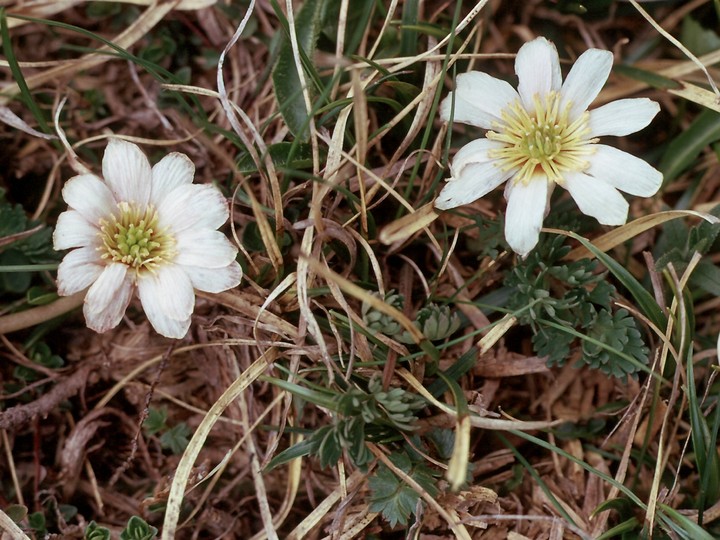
(619, 333)
(176, 438)
(391, 496)
(697, 38)
(627, 526)
(686, 147)
(95, 532)
(704, 444)
(648, 77)
(706, 276)
(286, 81)
(138, 529)
(284, 155)
(642, 297)
(156, 420)
(16, 512)
(688, 526)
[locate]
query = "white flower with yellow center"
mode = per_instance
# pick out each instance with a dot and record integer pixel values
(542, 135)
(143, 228)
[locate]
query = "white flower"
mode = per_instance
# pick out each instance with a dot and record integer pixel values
(542, 135)
(143, 229)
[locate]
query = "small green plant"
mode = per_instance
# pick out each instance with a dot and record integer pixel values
(138, 529)
(392, 496)
(563, 299)
(95, 532)
(174, 438)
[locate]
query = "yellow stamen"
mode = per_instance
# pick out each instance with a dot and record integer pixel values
(544, 141)
(131, 236)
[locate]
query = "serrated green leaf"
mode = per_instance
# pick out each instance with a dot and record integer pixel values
(156, 420)
(288, 88)
(176, 438)
(391, 496)
(686, 147)
(642, 297)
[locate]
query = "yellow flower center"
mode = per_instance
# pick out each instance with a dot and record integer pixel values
(132, 237)
(544, 141)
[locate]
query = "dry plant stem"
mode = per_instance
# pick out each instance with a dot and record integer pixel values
(11, 466)
(146, 411)
(34, 316)
(16, 416)
(136, 31)
(182, 475)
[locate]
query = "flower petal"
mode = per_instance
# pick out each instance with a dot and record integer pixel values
(622, 117)
(152, 293)
(127, 172)
(585, 80)
(78, 270)
(479, 100)
(538, 70)
(596, 198)
(170, 172)
(89, 195)
(215, 280)
(193, 206)
(475, 180)
(108, 283)
(174, 289)
(624, 171)
(525, 213)
(72, 230)
(108, 298)
(475, 151)
(204, 248)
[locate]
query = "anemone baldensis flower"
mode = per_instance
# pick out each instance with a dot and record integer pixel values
(143, 229)
(542, 135)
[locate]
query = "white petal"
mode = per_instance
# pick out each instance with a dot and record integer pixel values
(108, 298)
(597, 198)
(475, 151)
(78, 270)
(624, 171)
(204, 248)
(215, 280)
(525, 214)
(479, 99)
(193, 206)
(173, 288)
(538, 70)
(585, 80)
(72, 230)
(170, 172)
(89, 195)
(108, 283)
(622, 117)
(151, 295)
(127, 172)
(475, 181)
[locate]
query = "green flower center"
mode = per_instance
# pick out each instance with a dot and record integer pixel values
(132, 237)
(545, 141)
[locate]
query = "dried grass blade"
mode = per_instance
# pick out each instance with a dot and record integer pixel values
(182, 474)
